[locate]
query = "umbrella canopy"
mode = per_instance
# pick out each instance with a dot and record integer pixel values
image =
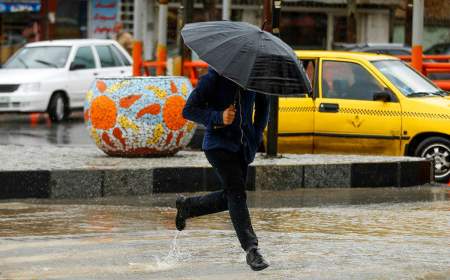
(254, 59)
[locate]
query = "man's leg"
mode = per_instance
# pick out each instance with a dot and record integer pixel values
(232, 173)
(210, 203)
(232, 169)
(206, 204)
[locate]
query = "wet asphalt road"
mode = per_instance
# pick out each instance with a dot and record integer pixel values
(19, 129)
(305, 234)
(37, 129)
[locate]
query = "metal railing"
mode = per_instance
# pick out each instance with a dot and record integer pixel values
(191, 69)
(434, 64)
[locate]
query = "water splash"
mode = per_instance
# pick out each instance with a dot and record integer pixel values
(170, 261)
(174, 255)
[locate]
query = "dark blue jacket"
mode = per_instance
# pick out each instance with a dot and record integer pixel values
(206, 104)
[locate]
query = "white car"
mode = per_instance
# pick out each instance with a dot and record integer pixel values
(54, 76)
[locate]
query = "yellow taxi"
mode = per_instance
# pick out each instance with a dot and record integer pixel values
(367, 104)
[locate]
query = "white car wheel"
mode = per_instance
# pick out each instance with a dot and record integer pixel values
(58, 108)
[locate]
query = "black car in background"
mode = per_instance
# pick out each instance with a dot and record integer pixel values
(439, 49)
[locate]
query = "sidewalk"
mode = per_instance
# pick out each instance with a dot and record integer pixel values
(85, 171)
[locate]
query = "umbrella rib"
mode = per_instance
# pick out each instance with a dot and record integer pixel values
(221, 43)
(206, 35)
(254, 60)
(274, 78)
(283, 47)
(293, 55)
(231, 60)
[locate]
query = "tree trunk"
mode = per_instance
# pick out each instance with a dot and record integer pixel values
(266, 21)
(351, 21)
(408, 22)
(211, 13)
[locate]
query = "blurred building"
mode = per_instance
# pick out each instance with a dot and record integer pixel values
(71, 19)
(23, 21)
(109, 18)
(311, 24)
(18, 24)
(305, 24)
(436, 22)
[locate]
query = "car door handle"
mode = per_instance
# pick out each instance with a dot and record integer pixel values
(122, 71)
(329, 107)
(95, 74)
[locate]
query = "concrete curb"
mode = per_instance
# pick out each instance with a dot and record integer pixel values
(84, 172)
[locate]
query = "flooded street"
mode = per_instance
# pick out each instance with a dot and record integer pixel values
(305, 234)
(37, 129)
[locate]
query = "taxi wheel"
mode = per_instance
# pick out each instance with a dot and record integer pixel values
(437, 149)
(58, 108)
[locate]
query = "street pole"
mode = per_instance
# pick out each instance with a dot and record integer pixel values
(161, 49)
(185, 16)
(226, 9)
(417, 35)
(138, 19)
(272, 129)
(330, 31)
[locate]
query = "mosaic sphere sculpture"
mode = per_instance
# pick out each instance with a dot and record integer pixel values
(138, 116)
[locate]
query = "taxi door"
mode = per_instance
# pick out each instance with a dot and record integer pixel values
(296, 118)
(347, 119)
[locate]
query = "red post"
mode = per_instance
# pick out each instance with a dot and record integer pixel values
(416, 58)
(34, 119)
(417, 35)
(161, 56)
(137, 58)
(445, 85)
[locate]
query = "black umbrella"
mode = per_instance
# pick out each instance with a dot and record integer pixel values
(254, 59)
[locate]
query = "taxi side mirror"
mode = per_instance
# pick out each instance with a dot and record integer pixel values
(382, 96)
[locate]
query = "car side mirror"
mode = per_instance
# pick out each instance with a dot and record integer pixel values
(382, 96)
(76, 66)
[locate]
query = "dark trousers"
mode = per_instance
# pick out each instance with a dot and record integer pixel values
(232, 172)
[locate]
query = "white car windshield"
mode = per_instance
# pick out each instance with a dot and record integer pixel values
(39, 57)
(408, 81)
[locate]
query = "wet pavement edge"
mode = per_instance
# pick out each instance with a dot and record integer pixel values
(91, 183)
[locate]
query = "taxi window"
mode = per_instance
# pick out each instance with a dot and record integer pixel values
(346, 80)
(309, 65)
(310, 69)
